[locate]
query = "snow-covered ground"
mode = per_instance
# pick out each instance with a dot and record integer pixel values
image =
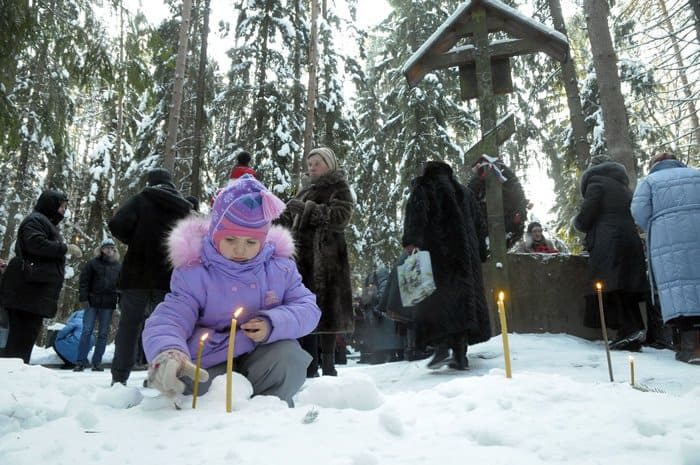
(559, 407)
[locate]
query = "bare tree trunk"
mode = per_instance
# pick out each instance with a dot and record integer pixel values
(199, 122)
(111, 177)
(695, 4)
(582, 148)
(18, 195)
(683, 76)
(261, 78)
(297, 158)
(617, 131)
(176, 101)
(313, 66)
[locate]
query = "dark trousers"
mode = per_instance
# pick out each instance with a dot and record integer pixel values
(24, 330)
(103, 316)
(310, 344)
(136, 305)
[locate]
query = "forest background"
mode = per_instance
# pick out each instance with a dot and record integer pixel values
(87, 90)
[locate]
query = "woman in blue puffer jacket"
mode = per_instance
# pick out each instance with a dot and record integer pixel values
(666, 205)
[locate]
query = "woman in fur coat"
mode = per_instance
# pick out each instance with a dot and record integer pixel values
(442, 217)
(318, 216)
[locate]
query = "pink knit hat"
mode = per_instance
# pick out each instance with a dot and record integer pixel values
(245, 208)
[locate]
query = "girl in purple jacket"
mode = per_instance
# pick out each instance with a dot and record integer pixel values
(234, 259)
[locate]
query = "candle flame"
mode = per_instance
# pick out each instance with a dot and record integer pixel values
(631, 359)
(237, 312)
(204, 337)
(599, 285)
(501, 296)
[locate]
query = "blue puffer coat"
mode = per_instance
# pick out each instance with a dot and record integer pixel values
(667, 206)
(68, 338)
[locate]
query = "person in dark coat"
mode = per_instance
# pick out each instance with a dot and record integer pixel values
(380, 340)
(442, 217)
(318, 216)
(98, 297)
(616, 252)
(143, 223)
(666, 205)
(515, 204)
(33, 279)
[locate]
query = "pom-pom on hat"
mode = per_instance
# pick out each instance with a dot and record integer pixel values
(245, 208)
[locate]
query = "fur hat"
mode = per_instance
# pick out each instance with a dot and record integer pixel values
(598, 159)
(326, 155)
(661, 156)
(245, 208)
(159, 176)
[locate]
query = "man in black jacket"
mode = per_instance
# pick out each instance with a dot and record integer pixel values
(33, 279)
(143, 223)
(98, 297)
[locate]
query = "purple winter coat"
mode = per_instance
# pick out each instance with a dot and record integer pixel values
(206, 288)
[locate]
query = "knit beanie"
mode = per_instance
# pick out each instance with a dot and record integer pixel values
(326, 155)
(107, 243)
(245, 208)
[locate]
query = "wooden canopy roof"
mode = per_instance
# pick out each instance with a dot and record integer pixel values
(530, 37)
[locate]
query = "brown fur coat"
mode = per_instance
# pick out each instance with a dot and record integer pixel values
(322, 254)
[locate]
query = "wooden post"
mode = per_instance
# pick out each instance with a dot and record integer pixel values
(498, 266)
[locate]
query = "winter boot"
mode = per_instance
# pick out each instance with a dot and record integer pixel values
(78, 367)
(690, 347)
(97, 368)
(459, 353)
(441, 357)
(631, 342)
(327, 365)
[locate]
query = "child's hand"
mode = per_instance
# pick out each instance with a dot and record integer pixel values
(257, 329)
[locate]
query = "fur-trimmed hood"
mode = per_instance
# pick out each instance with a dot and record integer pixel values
(185, 240)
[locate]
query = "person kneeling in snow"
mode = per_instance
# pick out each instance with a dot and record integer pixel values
(232, 260)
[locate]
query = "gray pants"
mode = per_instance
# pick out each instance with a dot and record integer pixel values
(277, 369)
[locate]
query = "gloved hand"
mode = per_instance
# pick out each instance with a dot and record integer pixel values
(74, 251)
(295, 206)
(166, 369)
(84, 305)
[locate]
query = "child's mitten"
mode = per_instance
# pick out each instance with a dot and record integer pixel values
(166, 369)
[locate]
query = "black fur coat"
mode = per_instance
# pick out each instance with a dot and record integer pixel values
(322, 253)
(442, 217)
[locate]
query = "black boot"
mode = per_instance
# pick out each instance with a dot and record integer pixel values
(441, 357)
(459, 353)
(631, 341)
(690, 347)
(327, 365)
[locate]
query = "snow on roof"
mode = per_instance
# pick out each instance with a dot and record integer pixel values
(446, 36)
